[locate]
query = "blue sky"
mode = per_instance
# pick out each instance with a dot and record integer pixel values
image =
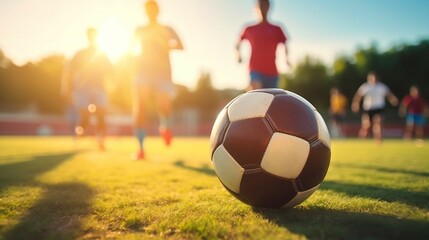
(31, 29)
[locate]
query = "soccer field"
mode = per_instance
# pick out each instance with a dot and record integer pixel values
(54, 188)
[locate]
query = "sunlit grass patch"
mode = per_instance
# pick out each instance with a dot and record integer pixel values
(55, 188)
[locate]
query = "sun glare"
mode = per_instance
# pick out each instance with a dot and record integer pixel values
(113, 39)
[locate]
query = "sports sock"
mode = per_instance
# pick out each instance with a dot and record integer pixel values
(140, 133)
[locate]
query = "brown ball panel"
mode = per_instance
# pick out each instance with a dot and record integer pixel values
(222, 123)
(246, 141)
(291, 116)
(315, 168)
(262, 189)
(274, 91)
(238, 196)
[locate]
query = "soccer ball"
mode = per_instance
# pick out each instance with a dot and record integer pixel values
(270, 148)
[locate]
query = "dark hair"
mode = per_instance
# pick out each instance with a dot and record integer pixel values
(266, 1)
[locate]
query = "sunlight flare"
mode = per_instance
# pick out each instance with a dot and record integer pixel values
(113, 39)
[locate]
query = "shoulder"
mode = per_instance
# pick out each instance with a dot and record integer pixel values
(382, 86)
(407, 99)
(168, 29)
(250, 26)
(79, 54)
(139, 30)
(277, 26)
(364, 86)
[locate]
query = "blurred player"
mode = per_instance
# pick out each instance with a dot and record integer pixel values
(373, 93)
(264, 38)
(83, 83)
(337, 110)
(153, 74)
(413, 106)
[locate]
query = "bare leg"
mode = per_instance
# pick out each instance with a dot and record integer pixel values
(163, 105)
(254, 85)
(363, 132)
(164, 113)
(142, 95)
(101, 126)
(408, 131)
(376, 127)
(419, 132)
(83, 122)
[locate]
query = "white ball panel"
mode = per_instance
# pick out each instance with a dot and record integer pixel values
(227, 169)
(301, 197)
(323, 130)
(285, 156)
(216, 125)
(302, 99)
(250, 105)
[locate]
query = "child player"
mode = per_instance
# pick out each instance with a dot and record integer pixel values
(413, 106)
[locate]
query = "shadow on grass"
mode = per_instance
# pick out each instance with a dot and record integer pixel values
(417, 199)
(57, 215)
(25, 172)
(205, 169)
(333, 224)
(384, 169)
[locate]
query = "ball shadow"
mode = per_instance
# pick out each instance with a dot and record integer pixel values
(319, 223)
(205, 169)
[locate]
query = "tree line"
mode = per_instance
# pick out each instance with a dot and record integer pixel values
(37, 84)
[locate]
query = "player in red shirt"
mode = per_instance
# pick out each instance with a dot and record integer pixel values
(264, 38)
(413, 106)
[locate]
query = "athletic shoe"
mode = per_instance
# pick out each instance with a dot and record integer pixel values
(101, 146)
(166, 135)
(139, 155)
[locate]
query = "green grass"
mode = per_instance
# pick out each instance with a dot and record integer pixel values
(51, 188)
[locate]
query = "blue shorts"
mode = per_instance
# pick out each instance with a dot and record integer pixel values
(83, 98)
(264, 80)
(417, 119)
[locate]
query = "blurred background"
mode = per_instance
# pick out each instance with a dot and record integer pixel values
(331, 44)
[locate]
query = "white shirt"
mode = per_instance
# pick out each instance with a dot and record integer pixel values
(373, 95)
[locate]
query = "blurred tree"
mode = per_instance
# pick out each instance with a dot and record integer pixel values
(346, 76)
(205, 97)
(183, 99)
(47, 84)
(4, 60)
(37, 84)
(311, 80)
(33, 85)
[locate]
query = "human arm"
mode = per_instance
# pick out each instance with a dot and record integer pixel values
(356, 101)
(237, 51)
(287, 56)
(403, 107)
(426, 108)
(175, 42)
(392, 98)
(243, 35)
